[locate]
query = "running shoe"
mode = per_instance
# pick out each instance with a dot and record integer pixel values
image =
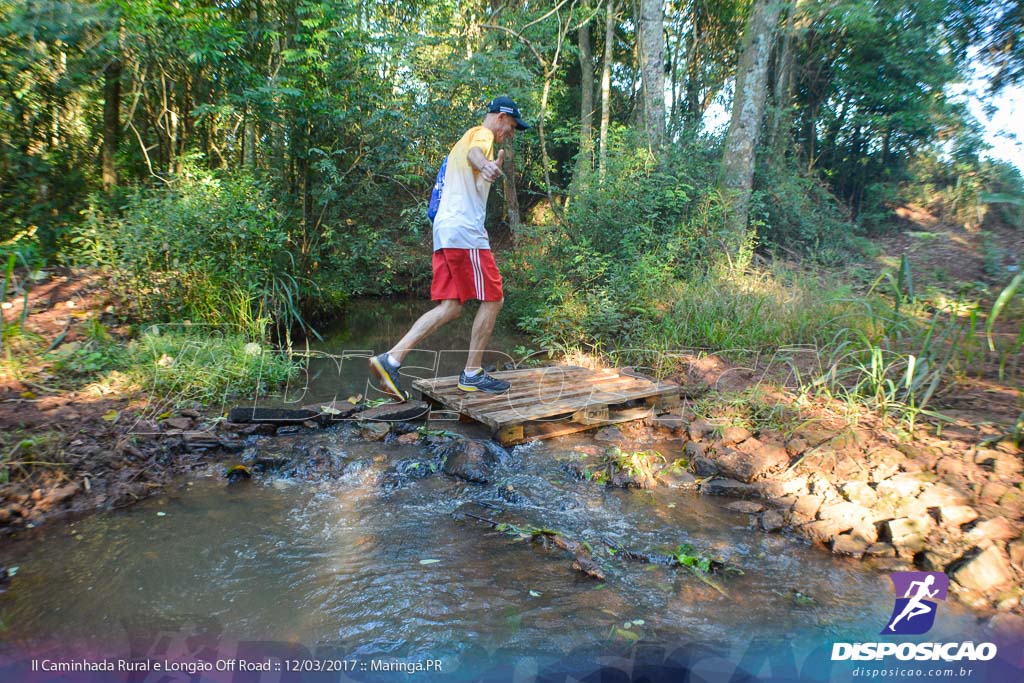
(482, 382)
(387, 373)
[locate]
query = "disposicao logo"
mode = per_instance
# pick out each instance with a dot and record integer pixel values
(914, 612)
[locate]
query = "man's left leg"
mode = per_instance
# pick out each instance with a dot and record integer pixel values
(473, 378)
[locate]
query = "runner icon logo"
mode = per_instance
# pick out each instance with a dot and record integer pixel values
(914, 611)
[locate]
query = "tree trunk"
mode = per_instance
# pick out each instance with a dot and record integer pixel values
(586, 161)
(249, 140)
(652, 66)
(747, 113)
(511, 198)
(606, 87)
(111, 122)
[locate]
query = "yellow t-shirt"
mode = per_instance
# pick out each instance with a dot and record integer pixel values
(459, 223)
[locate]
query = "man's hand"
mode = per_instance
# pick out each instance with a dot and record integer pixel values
(489, 170)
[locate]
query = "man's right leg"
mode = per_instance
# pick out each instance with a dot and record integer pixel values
(386, 365)
(426, 325)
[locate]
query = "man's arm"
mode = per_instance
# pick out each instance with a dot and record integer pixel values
(490, 170)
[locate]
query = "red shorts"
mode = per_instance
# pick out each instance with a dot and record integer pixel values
(465, 274)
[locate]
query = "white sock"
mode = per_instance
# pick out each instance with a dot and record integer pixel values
(394, 361)
(474, 372)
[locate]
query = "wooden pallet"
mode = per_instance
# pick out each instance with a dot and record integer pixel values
(553, 401)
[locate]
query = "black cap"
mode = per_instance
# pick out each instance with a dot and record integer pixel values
(505, 105)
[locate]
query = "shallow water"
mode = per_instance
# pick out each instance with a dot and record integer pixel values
(340, 560)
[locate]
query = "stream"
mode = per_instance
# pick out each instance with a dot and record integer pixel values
(370, 559)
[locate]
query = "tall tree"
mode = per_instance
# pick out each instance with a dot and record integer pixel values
(606, 85)
(652, 65)
(111, 121)
(586, 94)
(747, 113)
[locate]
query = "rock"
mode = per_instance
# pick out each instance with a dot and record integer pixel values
(880, 550)
(992, 491)
(995, 529)
(819, 485)
(703, 467)
(749, 466)
(772, 520)
(925, 457)
(745, 506)
(859, 492)
(693, 450)
(728, 487)
(733, 435)
(931, 562)
(1003, 465)
(955, 516)
(675, 479)
(56, 497)
(1016, 550)
(1012, 502)
(884, 463)
(950, 465)
(182, 423)
(808, 505)
(411, 437)
(374, 431)
(285, 430)
(900, 486)
(845, 515)
(472, 461)
(796, 446)
(848, 544)
(909, 534)
(201, 441)
(822, 531)
(942, 495)
(699, 428)
(987, 570)
(785, 485)
(394, 412)
(610, 434)
(668, 422)
(866, 531)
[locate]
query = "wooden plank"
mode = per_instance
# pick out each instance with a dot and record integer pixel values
(487, 402)
(510, 435)
(440, 383)
(548, 410)
(591, 415)
(526, 410)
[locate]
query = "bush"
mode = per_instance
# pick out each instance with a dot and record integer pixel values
(624, 242)
(209, 248)
(798, 213)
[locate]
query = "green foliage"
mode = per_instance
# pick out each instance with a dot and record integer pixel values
(625, 241)
(197, 365)
(210, 248)
(797, 212)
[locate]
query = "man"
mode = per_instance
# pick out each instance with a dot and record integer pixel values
(464, 267)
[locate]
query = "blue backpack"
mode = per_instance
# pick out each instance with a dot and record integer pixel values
(435, 194)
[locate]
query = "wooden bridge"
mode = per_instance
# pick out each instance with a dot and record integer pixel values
(553, 401)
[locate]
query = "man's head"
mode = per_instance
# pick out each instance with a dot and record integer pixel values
(503, 118)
